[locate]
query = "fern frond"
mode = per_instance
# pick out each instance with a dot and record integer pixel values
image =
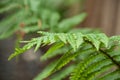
(96, 74)
(74, 39)
(92, 38)
(90, 49)
(39, 41)
(98, 39)
(115, 38)
(112, 76)
(78, 72)
(103, 39)
(50, 52)
(103, 66)
(67, 57)
(96, 67)
(70, 22)
(30, 29)
(62, 37)
(17, 52)
(46, 72)
(62, 74)
(54, 20)
(9, 7)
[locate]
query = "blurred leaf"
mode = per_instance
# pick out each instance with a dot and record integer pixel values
(69, 23)
(46, 72)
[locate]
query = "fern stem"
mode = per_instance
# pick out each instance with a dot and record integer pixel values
(111, 58)
(105, 53)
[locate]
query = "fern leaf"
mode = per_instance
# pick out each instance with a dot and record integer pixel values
(78, 72)
(17, 52)
(54, 20)
(71, 40)
(92, 38)
(9, 7)
(117, 58)
(96, 74)
(46, 40)
(86, 53)
(62, 37)
(51, 50)
(39, 41)
(45, 14)
(103, 38)
(34, 5)
(115, 38)
(66, 58)
(114, 53)
(79, 40)
(52, 39)
(62, 74)
(31, 44)
(70, 22)
(75, 40)
(112, 76)
(46, 72)
(43, 33)
(31, 29)
(97, 66)
(100, 67)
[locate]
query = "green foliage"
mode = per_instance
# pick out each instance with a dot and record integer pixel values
(91, 54)
(26, 16)
(85, 54)
(62, 74)
(51, 51)
(67, 24)
(69, 38)
(46, 72)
